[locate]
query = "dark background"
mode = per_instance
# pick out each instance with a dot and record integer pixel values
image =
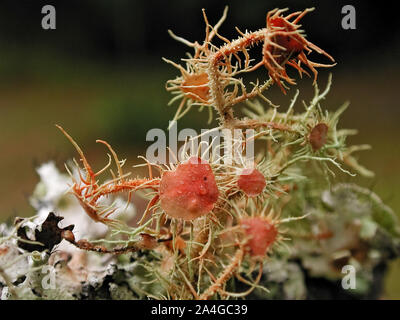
(100, 75)
(123, 31)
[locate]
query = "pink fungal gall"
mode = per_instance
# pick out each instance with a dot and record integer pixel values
(262, 234)
(251, 182)
(190, 191)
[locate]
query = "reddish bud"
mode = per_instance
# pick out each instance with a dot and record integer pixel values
(251, 182)
(147, 241)
(293, 43)
(318, 136)
(262, 234)
(190, 191)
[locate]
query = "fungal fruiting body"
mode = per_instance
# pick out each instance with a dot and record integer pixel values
(196, 87)
(318, 136)
(287, 46)
(261, 234)
(251, 182)
(190, 191)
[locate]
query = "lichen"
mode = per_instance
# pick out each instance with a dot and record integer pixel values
(276, 226)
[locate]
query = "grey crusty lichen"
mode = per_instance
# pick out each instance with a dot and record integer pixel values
(350, 224)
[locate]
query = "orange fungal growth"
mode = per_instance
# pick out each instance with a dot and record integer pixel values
(196, 87)
(190, 191)
(262, 235)
(251, 182)
(288, 46)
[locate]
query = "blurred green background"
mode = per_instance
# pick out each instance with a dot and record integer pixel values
(100, 75)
